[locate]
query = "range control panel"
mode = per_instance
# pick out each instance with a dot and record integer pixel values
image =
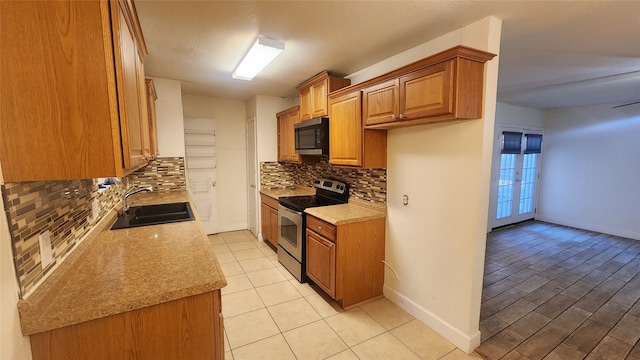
(332, 185)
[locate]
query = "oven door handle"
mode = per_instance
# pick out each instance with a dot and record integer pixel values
(286, 209)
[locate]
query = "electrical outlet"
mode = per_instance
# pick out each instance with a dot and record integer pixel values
(95, 208)
(46, 253)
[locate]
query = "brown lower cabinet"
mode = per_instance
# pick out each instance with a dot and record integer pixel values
(269, 219)
(187, 328)
(346, 260)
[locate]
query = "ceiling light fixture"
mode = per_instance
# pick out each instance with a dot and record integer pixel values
(262, 52)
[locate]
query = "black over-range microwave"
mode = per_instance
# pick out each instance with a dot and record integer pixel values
(312, 136)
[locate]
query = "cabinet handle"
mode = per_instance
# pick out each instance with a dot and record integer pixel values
(319, 227)
(326, 243)
(401, 116)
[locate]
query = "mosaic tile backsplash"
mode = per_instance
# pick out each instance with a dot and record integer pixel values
(65, 209)
(163, 173)
(364, 184)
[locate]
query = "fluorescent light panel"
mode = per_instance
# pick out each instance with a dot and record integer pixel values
(259, 56)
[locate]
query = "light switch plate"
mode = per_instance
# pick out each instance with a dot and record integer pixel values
(95, 209)
(46, 253)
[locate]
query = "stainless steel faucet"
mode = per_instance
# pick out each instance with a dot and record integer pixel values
(134, 190)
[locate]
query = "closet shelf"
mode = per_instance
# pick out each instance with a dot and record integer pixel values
(201, 167)
(201, 155)
(199, 132)
(200, 143)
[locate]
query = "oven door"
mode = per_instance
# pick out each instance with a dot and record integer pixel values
(290, 231)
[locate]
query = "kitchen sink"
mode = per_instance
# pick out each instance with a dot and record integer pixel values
(154, 215)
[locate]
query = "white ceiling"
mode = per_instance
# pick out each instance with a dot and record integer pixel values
(553, 53)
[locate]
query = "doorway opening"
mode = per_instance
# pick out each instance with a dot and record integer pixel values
(516, 175)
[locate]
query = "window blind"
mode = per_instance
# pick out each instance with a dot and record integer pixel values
(511, 142)
(533, 144)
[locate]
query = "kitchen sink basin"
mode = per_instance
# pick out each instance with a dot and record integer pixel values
(154, 215)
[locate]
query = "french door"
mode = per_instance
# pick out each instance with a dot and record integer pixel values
(516, 176)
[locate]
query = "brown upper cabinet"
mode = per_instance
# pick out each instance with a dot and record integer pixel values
(313, 94)
(350, 144)
(286, 137)
(152, 147)
(444, 87)
(73, 98)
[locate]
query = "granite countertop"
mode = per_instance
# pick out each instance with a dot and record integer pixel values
(354, 211)
(283, 192)
(115, 271)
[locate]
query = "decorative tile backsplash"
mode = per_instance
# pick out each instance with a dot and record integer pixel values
(275, 175)
(365, 184)
(65, 209)
(163, 173)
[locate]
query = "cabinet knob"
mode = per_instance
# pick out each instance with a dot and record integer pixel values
(319, 227)
(393, 116)
(400, 116)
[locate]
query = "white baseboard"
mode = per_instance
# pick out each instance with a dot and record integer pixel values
(233, 227)
(591, 227)
(466, 343)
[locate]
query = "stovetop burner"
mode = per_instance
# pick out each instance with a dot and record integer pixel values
(299, 203)
(328, 192)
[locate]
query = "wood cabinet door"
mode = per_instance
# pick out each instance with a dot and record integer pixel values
(380, 103)
(427, 92)
(153, 124)
(292, 120)
(282, 156)
(319, 98)
(321, 262)
(273, 225)
(128, 75)
(306, 106)
(345, 129)
(265, 221)
(286, 138)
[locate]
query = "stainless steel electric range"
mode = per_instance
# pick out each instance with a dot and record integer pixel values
(292, 222)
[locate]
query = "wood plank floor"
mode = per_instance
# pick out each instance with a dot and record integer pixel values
(554, 292)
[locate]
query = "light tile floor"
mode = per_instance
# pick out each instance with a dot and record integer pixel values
(270, 315)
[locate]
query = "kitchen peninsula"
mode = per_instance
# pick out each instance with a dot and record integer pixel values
(152, 292)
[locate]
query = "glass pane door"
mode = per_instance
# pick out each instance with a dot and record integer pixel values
(506, 186)
(515, 188)
(528, 184)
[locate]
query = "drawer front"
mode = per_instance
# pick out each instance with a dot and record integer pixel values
(269, 201)
(321, 227)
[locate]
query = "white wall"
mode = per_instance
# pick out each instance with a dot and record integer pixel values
(591, 169)
(267, 126)
(12, 344)
(517, 118)
(231, 154)
(169, 117)
(436, 243)
(264, 108)
(507, 114)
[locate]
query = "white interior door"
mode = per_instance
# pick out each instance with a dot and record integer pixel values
(252, 178)
(514, 181)
(200, 163)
